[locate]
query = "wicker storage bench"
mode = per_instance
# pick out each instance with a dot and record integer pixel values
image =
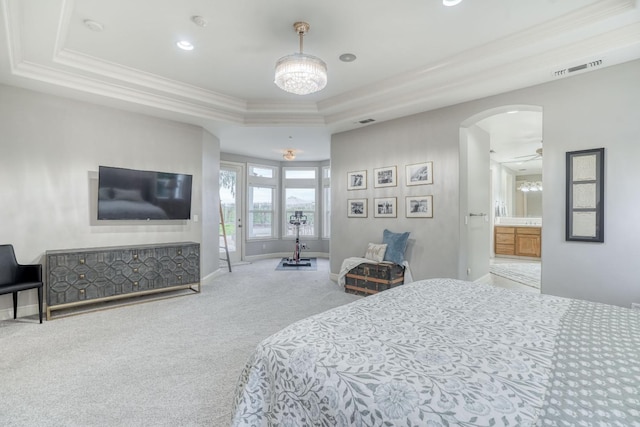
(371, 278)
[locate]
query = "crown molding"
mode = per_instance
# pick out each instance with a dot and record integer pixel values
(478, 83)
(467, 75)
(130, 76)
(531, 37)
(99, 87)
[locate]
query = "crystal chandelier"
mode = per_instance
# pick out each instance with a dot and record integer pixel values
(300, 73)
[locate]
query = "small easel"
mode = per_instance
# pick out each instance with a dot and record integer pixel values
(297, 260)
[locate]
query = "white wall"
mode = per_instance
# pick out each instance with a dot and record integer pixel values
(50, 151)
(590, 110)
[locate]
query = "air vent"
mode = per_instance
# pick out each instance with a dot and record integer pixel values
(365, 121)
(569, 70)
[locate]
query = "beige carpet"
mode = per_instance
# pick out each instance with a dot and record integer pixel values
(172, 362)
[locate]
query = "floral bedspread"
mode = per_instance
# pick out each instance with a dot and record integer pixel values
(445, 352)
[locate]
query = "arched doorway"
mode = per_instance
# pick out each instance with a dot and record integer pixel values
(481, 187)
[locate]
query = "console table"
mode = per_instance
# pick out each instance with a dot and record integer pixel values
(77, 277)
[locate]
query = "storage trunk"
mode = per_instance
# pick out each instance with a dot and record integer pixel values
(371, 278)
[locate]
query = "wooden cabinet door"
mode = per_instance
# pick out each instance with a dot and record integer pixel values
(528, 245)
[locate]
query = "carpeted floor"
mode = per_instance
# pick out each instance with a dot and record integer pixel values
(312, 267)
(525, 273)
(173, 362)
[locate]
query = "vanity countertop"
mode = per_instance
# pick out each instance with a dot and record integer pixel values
(518, 222)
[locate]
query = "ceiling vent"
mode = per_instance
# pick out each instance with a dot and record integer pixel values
(365, 121)
(567, 71)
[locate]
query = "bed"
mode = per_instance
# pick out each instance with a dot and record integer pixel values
(444, 352)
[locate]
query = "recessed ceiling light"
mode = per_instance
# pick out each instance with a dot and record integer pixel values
(184, 45)
(347, 57)
(450, 2)
(93, 25)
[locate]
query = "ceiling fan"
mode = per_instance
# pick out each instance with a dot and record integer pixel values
(528, 157)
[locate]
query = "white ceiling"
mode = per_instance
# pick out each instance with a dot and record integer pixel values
(412, 56)
(515, 137)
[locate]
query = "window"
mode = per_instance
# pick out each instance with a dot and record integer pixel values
(300, 185)
(261, 205)
(262, 171)
(261, 212)
(299, 173)
(326, 202)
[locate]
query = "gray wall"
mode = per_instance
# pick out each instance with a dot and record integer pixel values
(591, 110)
(50, 150)
(433, 243)
(210, 218)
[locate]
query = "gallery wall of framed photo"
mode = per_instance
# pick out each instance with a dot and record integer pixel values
(385, 206)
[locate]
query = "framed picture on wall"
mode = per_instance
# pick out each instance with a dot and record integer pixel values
(419, 206)
(419, 173)
(585, 196)
(357, 180)
(385, 177)
(385, 207)
(357, 208)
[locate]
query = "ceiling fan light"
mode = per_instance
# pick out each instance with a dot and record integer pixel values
(289, 155)
(301, 74)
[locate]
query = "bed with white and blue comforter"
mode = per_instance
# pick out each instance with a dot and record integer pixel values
(445, 352)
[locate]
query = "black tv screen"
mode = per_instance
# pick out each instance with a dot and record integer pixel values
(145, 195)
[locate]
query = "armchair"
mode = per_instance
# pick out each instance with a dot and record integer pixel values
(16, 277)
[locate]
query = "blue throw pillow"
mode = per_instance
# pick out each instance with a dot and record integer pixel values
(396, 245)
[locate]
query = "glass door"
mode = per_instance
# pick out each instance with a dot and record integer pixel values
(231, 202)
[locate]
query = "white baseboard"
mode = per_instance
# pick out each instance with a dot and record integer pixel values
(23, 311)
(486, 279)
(334, 277)
(211, 276)
(32, 309)
(286, 254)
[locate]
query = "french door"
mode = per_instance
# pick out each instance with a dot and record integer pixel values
(231, 196)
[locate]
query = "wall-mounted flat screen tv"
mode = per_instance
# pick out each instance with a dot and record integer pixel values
(143, 195)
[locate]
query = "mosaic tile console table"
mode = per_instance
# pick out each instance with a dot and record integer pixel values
(77, 277)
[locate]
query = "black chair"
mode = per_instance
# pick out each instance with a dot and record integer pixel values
(16, 277)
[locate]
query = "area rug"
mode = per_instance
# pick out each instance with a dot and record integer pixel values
(521, 272)
(312, 267)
